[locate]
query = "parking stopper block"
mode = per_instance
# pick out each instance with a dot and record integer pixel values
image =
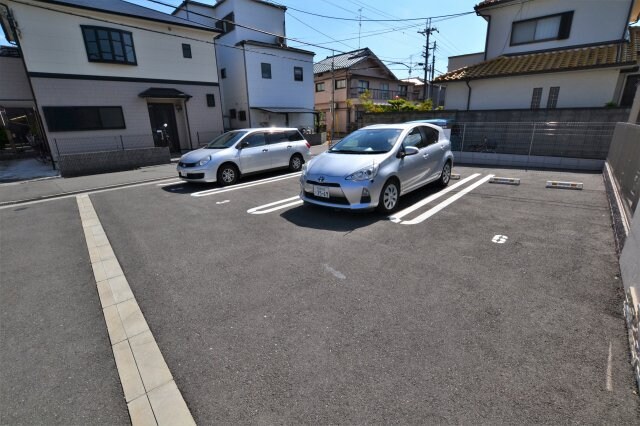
(504, 180)
(564, 185)
(455, 176)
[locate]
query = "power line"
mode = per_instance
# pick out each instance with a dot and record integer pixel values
(453, 15)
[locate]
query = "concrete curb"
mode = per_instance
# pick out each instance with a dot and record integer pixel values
(150, 392)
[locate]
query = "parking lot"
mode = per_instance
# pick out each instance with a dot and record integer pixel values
(480, 303)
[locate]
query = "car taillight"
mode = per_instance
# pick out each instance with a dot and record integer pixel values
(308, 145)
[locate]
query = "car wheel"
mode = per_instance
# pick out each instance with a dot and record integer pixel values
(445, 177)
(227, 174)
(295, 164)
(389, 197)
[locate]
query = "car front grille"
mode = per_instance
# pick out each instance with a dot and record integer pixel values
(333, 185)
(193, 175)
(187, 165)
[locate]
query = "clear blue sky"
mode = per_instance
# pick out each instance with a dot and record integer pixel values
(391, 41)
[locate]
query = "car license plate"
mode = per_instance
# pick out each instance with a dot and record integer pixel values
(321, 191)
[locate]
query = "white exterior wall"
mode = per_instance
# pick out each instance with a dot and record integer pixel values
(594, 21)
(577, 89)
(281, 90)
(53, 43)
(457, 62)
(255, 15)
(234, 88)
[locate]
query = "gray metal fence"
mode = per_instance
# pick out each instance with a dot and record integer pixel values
(89, 144)
(551, 139)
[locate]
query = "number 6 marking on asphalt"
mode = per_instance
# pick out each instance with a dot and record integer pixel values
(499, 239)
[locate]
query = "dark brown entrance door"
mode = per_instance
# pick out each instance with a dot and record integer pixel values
(163, 125)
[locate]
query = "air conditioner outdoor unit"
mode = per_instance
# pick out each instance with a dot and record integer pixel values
(281, 41)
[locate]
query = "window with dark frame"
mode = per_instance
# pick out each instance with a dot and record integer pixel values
(552, 101)
(297, 74)
(71, 119)
(242, 115)
(109, 45)
(211, 100)
(536, 98)
(227, 23)
(629, 91)
(320, 87)
(186, 50)
(544, 28)
(232, 113)
(341, 84)
(223, 73)
(266, 70)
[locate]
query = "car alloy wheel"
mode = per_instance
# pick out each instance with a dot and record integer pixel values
(446, 174)
(295, 164)
(389, 197)
(227, 175)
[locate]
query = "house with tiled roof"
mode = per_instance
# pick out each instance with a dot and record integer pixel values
(549, 54)
(341, 79)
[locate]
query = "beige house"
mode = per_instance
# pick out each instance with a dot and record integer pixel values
(341, 79)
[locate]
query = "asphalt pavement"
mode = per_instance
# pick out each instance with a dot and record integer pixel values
(56, 365)
(491, 304)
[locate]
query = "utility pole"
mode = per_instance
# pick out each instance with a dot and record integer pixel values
(427, 32)
(359, 26)
(433, 70)
(333, 93)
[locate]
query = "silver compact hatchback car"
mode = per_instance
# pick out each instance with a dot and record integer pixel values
(245, 151)
(373, 166)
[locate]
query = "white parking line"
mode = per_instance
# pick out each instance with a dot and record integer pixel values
(397, 216)
(258, 210)
(244, 185)
(442, 205)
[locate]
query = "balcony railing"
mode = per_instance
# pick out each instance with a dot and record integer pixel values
(381, 94)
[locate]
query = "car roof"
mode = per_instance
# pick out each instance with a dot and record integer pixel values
(265, 129)
(401, 126)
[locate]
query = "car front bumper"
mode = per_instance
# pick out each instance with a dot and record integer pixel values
(343, 194)
(196, 174)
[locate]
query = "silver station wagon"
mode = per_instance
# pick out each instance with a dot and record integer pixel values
(245, 151)
(373, 166)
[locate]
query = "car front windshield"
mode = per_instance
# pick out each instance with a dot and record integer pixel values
(225, 140)
(367, 141)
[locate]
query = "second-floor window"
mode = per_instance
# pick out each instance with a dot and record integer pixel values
(552, 101)
(552, 27)
(109, 45)
(320, 87)
(402, 90)
(227, 23)
(363, 85)
(297, 73)
(186, 50)
(266, 70)
(341, 84)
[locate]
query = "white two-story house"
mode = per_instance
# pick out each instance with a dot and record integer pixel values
(109, 70)
(264, 82)
(549, 54)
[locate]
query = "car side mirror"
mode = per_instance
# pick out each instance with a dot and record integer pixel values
(408, 150)
(243, 144)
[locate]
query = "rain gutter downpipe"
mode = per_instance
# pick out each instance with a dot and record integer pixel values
(468, 93)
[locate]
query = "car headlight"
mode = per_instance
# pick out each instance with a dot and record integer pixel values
(304, 169)
(367, 173)
(204, 161)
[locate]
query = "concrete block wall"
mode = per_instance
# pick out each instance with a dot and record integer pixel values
(111, 161)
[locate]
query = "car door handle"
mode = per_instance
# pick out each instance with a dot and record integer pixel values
(425, 156)
(265, 150)
(288, 146)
